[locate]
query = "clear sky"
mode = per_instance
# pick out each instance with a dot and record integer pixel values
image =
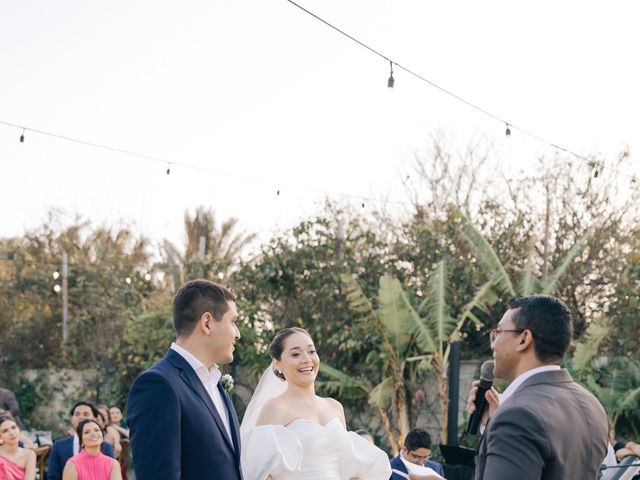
(260, 90)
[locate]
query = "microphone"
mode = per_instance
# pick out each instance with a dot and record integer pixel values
(486, 381)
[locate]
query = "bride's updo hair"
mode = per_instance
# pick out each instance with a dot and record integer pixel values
(277, 345)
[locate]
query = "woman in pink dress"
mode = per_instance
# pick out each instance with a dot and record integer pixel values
(90, 463)
(16, 463)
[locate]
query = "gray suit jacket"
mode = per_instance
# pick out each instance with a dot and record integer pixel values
(551, 429)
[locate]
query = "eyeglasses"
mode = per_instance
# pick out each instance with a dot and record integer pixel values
(494, 332)
(421, 459)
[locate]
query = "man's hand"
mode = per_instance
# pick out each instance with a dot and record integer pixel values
(631, 448)
(493, 400)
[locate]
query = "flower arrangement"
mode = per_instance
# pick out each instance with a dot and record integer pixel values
(227, 382)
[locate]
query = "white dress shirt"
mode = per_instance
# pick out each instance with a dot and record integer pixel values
(209, 378)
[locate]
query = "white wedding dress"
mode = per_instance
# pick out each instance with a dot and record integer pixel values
(306, 450)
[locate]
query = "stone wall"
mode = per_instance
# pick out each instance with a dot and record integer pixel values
(64, 388)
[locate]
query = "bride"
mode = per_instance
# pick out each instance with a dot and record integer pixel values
(289, 432)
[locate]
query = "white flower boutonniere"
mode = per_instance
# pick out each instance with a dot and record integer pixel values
(227, 382)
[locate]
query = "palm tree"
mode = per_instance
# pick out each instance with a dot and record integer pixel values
(424, 333)
(409, 340)
(209, 252)
(614, 381)
(529, 284)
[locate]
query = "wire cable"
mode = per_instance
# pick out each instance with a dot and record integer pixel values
(172, 163)
(448, 92)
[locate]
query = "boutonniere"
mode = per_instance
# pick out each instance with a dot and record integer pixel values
(227, 382)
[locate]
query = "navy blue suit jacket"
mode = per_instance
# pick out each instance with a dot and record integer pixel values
(398, 464)
(62, 451)
(176, 432)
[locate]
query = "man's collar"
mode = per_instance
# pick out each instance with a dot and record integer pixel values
(196, 364)
(519, 380)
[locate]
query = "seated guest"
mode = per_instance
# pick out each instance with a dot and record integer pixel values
(111, 435)
(8, 401)
(366, 435)
(117, 421)
(16, 463)
(24, 440)
(67, 447)
(89, 463)
(416, 450)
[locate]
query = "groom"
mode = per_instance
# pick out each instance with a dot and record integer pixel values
(183, 425)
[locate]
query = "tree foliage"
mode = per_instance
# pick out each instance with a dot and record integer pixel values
(475, 235)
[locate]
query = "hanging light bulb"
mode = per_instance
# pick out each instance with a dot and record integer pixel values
(391, 80)
(507, 132)
(22, 136)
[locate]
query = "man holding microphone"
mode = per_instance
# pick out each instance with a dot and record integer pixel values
(544, 425)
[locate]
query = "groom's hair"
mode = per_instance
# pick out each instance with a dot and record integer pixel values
(196, 298)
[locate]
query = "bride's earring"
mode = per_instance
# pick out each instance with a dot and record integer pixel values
(278, 374)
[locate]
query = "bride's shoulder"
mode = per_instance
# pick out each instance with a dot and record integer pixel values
(333, 407)
(274, 412)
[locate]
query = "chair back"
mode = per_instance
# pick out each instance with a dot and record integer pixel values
(41, 458)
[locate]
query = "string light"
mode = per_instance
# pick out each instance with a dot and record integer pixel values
(510, 126)
(169, 163)
(390, 83)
